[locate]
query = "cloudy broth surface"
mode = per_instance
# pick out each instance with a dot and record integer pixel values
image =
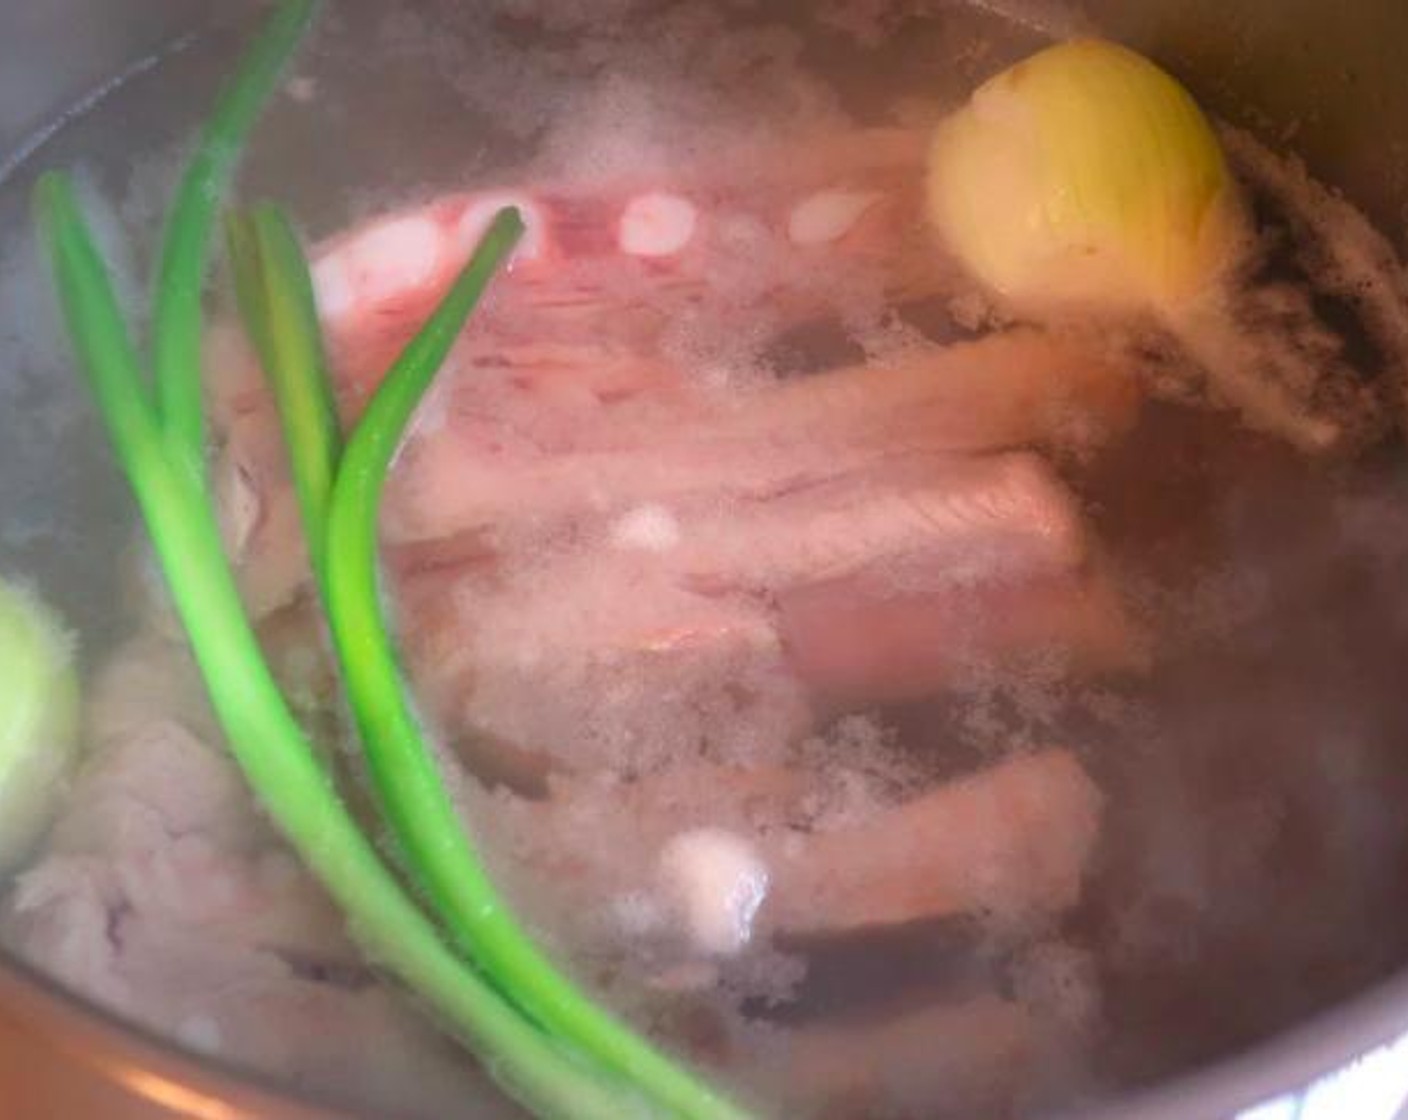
(892, 707)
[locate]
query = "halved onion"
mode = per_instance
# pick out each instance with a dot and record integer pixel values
(1085, 176)
(38, 719)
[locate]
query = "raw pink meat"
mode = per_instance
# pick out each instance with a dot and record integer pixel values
(489, 462)
(628, 591)
(165, 896)
(864, 533)
(1008, 842)
(568, 394)
(761, 614)
(1011, 842)
(866, 640)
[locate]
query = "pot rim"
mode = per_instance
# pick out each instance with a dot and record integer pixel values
(154, 1068)
(204, 1087)
(143, 1063)
(1290, 1061)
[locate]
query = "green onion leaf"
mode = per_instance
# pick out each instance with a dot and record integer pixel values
(422, 817)
(275, 292)
(176, 316)
(549, 1044)
(278, 762)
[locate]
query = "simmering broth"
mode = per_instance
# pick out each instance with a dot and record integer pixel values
(893, 708)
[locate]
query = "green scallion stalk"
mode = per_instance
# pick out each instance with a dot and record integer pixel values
(552, 1047)
(275, 292)
(422, 817)
(278, 762)
(177, 313)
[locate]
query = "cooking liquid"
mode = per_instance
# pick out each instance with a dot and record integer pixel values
(1251, 779)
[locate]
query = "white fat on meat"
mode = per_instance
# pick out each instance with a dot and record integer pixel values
(658, 224)
(649, 528)
(828, 216)
(378, 265)
(717, 880)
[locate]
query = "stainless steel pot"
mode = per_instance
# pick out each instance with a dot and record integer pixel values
(1328, 77)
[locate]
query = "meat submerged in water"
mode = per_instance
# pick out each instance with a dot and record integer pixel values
(625, 562)
(1011, 391)
(623, 566)
(613, 555)
(493, 455)
(750, 621)
(866, 641)
(166, 896)
(578, 387)
(585, 504)
(585, 282)
(1010, 842)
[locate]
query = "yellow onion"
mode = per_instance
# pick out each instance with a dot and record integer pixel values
(38, 719)
(1084, 176)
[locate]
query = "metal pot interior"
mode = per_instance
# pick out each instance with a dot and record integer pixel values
(116, 89)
